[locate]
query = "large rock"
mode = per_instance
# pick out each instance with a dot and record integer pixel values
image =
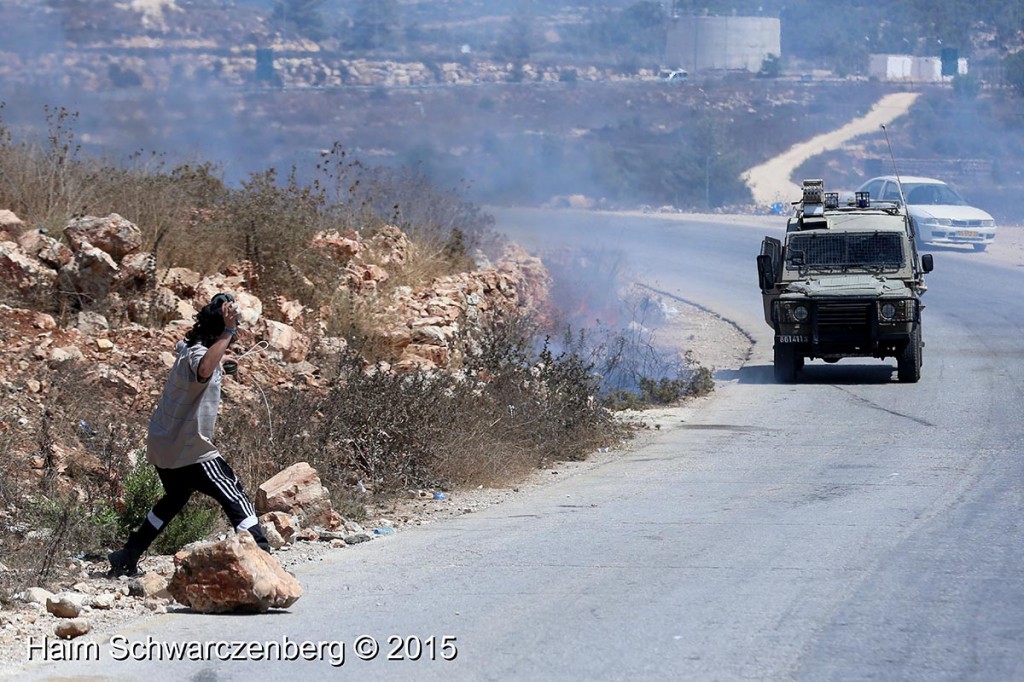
(112, 234)
(45, 248)
(285, 526)
(19, 269)
(93, 272)
(65, 605)
(296, 490)
(137, 269)
(149, 585)
(232, 575)
(340, 248)
(11, 223)
(69, 629)
(36, 595)
(284, 339)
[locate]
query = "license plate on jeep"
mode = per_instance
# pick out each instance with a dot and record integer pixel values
(967, 233)
(793, 338)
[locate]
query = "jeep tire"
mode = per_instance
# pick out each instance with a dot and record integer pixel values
(786, 363)
(908, 364)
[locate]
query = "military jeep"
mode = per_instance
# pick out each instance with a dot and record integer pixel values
(847, 282)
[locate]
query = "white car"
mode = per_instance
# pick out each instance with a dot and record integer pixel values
(939, 213)
(674, 75)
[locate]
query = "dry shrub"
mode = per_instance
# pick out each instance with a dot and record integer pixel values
(84, 438)
(511, 409)
(190, 218)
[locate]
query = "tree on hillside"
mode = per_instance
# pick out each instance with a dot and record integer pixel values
(1013, 68)
(375, 23)
(514, 42)
(639, 31)
(302, 16)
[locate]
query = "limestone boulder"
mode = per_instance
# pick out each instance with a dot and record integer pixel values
(112, 234)
(92, 273)
(17, 268)
(341, 248)
(181, 281)
(65, 605)
(298, 491)
(284, 525)
(284, 339)
(232, 575)
(45, 248)
(69, 629)
(149, 585)
(137, 269)
(11, 223)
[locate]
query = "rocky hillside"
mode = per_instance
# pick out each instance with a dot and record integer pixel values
(120, 356)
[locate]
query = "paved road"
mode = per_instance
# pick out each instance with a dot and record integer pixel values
(847, 527)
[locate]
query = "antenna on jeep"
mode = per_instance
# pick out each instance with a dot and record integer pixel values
(903, 199)
(896, 172)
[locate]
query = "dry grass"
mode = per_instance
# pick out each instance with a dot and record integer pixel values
(190, 218)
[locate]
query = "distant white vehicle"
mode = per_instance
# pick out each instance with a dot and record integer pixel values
(939, 214)
(674, 75)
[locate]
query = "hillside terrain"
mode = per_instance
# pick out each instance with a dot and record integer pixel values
(441, 89)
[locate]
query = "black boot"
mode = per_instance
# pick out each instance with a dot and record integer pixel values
(261, 539)
(125, 561)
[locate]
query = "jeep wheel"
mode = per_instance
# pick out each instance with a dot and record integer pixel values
(908, 367)
(786, 363)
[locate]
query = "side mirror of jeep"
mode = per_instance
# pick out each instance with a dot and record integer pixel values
(765, 272)
(927, 262)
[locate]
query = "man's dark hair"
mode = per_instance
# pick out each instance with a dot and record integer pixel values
(209, 322)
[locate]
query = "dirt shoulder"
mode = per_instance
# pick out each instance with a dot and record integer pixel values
(1008, 247)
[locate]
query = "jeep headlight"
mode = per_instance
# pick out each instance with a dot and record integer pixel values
(791, 312)
(895, 311)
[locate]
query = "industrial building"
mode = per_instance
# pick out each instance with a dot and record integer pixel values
(904, 67)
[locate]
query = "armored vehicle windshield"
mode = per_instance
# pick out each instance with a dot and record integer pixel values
(818, 250)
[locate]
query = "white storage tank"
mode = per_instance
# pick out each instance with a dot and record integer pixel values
(722, 43)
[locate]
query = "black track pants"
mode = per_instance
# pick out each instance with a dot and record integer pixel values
(214, 478)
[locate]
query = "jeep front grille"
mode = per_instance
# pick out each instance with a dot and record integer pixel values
(843, 314)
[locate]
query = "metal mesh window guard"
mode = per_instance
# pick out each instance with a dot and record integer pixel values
(846, 249)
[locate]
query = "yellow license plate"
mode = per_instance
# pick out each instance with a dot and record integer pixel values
(966, 233)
